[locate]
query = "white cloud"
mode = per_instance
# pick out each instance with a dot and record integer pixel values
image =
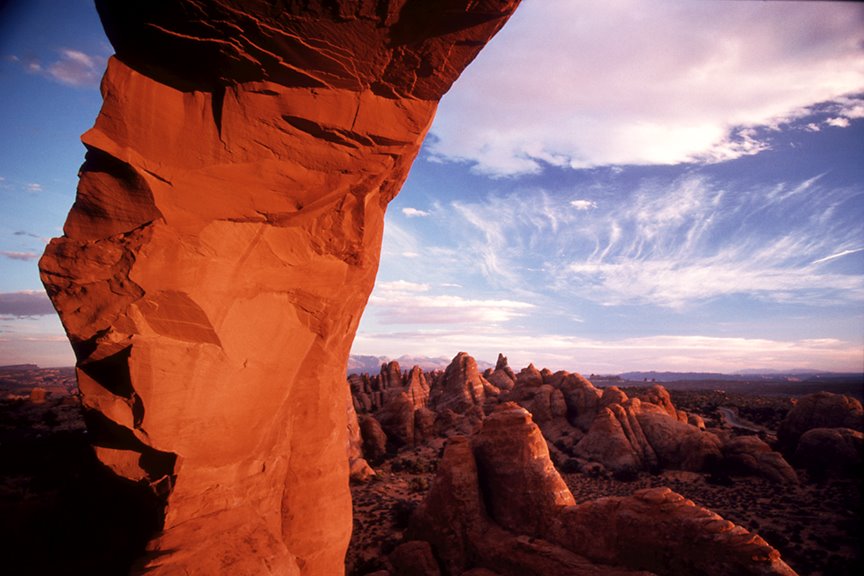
(398, 286)
(837, 255)
(34, 187)
(673, 244)
(583, 204)
(72, 67)
(838, 122)
(678, 84)
(75, 68)
(414, 212)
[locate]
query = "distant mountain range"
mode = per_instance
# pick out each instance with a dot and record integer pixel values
(737, 376)
(359, 364)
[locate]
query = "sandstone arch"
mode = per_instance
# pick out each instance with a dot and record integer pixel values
(222, 246)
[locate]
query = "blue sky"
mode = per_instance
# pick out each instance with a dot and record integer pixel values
(610, 186)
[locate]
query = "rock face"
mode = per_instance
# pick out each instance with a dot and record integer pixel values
(462, 387)
(222, 246)
(513, 515)
(819, 410)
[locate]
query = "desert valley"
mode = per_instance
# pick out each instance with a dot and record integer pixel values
(744, 476)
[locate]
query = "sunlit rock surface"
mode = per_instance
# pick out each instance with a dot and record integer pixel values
(222, 246)
(498, 503)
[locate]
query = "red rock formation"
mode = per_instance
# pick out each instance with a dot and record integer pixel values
(397, 420)
(222, 246)
(523, 488)
(461, 388)
(359, 469)
(417, 388)
(820, 410)
(497, 503)
(750, 455)
(824, 451)
(502, 377)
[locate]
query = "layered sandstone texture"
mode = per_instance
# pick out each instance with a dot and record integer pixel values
(222, 246)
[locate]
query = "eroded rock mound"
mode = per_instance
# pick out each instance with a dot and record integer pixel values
(222, 246)
(514, 515)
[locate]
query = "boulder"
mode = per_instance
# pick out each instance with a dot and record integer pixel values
(751, 455)
(819, 410)
(374, 438)
(826, 451)
(679, 445)
(414, 558)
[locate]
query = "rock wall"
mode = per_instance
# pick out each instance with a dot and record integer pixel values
(222, 246)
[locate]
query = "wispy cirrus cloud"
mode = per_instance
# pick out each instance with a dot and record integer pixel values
(682, 82)
(670, 244)
(403, 302)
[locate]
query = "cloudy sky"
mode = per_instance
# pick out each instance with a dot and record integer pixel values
(610, 186)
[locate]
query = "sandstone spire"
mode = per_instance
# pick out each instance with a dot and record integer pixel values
(222, 246)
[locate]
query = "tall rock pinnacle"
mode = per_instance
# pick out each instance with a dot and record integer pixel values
(222, 246)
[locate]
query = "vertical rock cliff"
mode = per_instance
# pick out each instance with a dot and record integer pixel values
(222, 246)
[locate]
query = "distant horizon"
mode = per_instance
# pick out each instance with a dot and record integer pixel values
(516, 368)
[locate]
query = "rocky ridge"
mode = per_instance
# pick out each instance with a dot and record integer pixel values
(506, 447)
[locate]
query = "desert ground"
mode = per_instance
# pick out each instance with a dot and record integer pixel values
(53, 491)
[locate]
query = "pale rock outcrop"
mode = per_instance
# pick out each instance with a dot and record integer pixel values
(223, 244)
(498, 504)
